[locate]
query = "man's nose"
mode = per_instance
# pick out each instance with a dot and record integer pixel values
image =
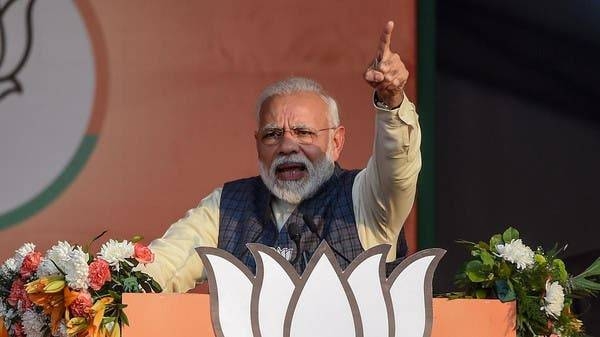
(289, 144)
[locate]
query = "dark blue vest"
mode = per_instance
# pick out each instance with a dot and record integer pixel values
(246, 216)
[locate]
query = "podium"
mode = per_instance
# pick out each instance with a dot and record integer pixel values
(188, 315)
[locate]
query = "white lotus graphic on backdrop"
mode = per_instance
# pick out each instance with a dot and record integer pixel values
(324, 301)
(47, 91)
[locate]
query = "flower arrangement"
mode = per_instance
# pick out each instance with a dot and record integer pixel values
(69, 292)
(507, 269)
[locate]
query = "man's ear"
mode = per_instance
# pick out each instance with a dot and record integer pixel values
(257, 142)
(339, 137)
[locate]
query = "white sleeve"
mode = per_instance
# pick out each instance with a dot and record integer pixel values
(177, 267)
(383, 193)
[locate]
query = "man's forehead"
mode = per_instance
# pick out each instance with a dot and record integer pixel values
(301, 107)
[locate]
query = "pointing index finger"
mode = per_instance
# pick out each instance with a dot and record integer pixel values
(385, 40)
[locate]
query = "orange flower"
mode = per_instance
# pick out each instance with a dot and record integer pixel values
(142, 253)
(47, 292)
(3, 331)
(84, 326)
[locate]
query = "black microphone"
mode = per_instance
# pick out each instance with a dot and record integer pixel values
(313, 228)
(295, 234)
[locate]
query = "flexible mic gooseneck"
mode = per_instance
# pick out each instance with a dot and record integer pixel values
(295, 234)
(313, 228)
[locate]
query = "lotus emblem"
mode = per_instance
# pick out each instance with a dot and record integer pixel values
(15, 42)
(324, 301)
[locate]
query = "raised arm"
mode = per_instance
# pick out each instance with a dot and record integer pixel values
(384, 191)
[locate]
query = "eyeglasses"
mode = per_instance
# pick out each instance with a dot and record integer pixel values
(305, 136)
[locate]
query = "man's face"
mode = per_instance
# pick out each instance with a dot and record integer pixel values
(294, 166)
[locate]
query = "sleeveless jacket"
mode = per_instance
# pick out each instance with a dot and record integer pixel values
(246, 217)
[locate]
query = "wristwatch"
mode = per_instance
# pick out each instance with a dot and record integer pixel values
(381, 104)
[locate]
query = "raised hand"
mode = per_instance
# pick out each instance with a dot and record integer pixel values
(387, 74)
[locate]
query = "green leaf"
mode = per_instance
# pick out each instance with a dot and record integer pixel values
(482, 245)
(510, 234)
(124, 319)
(504, 291)
(481, 293)
(156, 287)
(559, 270)
(487, 258)
(475, 272)
(495, 241)
(505, 270)
(592, 270)
(146, 286)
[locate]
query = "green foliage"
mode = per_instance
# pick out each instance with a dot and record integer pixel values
(523, 276)
(510, 234)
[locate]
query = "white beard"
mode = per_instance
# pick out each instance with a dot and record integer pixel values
(294, 191)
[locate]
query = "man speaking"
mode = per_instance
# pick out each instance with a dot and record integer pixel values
(302, 195)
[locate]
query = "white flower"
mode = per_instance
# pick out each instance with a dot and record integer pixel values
(517, 253)
(9, 268)
(34, 323)
(22, 252)
(46, 268)
(76, 269)
(114, 252)
(59, 255)
(555, 299)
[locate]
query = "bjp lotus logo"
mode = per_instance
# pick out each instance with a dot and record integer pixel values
(49, 52)
(15, 43)
(324, 301)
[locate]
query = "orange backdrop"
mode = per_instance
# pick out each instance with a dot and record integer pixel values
(175, 95)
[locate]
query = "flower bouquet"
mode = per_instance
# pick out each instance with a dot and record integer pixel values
(68, 291)
(507, 269)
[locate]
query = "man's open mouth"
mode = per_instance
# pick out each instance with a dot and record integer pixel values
(290, 171)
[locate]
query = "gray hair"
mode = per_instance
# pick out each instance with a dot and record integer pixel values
(295, 85)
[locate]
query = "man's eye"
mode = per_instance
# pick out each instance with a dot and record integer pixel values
(271, 134)
(303, 132)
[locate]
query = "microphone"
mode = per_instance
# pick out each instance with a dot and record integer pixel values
(295, 234)
(313, 229)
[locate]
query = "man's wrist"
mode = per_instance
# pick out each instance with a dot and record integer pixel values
(392, 104)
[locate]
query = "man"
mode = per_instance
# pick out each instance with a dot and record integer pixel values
(302, 196)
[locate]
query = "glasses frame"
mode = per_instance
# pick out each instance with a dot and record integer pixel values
(261, 136)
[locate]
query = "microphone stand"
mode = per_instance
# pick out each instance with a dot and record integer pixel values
(296, 236)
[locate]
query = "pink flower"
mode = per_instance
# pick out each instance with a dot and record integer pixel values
(99, 273)
(30, 264)
(19, 295)
(142, 253)
(81, 305)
